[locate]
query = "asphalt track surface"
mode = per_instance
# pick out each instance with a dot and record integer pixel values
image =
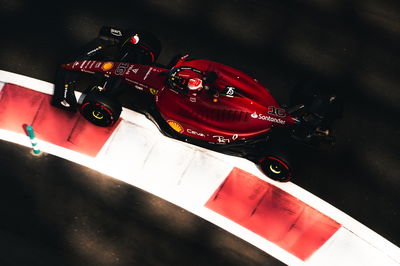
(58, 213)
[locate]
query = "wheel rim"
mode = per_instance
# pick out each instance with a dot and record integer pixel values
(98, 114)
(275, 169)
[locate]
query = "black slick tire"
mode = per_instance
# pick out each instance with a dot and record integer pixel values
(100, 109)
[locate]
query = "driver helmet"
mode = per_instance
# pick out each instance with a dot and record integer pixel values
(195, 84)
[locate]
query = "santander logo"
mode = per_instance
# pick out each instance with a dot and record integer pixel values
(267, 118)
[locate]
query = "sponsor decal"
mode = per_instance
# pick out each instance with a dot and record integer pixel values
(134, 39)
(115, 32)
(98, 64)
(147, 74)
(175, 126)
(94, 50)
(276, 111)
(137, 83)
(267, 118)
(132, 69)
(65, 90)
(91, 64)
(138, 87)
(193, 132)
(88, 71)
(107, 66)
(121, 68)
(65, 103)
(153, 91)
(224, 140)
(230, 91)
(83, 63)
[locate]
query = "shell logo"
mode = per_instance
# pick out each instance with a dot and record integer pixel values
(107, 66)
(175, 126)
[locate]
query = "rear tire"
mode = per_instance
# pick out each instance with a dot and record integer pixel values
(100, 109)
(276, 168)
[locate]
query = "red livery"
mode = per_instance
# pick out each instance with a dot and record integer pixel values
(198, 101)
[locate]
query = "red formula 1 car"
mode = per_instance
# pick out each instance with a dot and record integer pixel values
(197, 101)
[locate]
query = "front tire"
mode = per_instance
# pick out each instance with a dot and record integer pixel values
(145, 51)
(100, 109)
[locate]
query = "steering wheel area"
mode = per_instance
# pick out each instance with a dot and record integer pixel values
(178, 77)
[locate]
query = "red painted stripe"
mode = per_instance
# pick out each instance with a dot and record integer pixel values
(19, 106)
(272, 213)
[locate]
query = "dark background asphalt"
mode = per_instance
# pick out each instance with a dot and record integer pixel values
(352, 45)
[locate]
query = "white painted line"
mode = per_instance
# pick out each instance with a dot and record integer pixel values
(27, 82)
